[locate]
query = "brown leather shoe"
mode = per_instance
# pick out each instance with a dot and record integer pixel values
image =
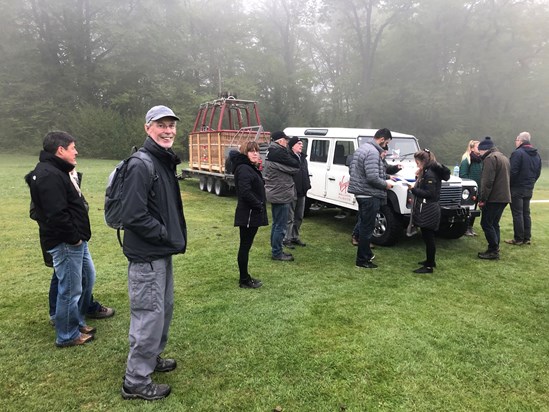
(81, 340)
(88, 330)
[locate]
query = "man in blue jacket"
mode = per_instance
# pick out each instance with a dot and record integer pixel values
(525, 171)
(154, 230)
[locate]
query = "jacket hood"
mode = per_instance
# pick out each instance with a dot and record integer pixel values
(441, 171)
(238, 159)
(528, 148)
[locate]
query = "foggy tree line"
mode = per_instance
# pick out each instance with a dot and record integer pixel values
(446, 71)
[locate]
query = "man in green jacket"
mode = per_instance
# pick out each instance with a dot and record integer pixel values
(495, 194)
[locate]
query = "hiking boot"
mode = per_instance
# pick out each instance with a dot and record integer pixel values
(251, 283)
(424, 269)
(423, 263)
(165, 364)
(288, 244)
(298, 242)
(367, 265)
(470, 232)
(88, 330)
(284, 257)
(150, 392)
(514, 242)
(102, 312)
(81, 340)
(489, 255)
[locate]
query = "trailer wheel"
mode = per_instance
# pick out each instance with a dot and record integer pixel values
(221, 188)
(202, 183)
(210, 183)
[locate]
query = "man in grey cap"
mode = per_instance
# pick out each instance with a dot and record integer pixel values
(154, 230)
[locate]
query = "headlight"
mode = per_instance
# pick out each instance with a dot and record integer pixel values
(465, 194)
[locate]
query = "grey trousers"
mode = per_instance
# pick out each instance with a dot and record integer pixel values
(150, 288)
(295, 218)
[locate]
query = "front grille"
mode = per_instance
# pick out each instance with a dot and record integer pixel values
(450, 196)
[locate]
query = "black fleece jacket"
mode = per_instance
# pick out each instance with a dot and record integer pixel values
(152, 212)
(61, 212)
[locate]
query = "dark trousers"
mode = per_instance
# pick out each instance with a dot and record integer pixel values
(52, 297)
(491, 215)
(520, 209)
(368, 207)
(247, 235)
(428, 236)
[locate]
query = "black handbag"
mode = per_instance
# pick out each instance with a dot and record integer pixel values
(426, 214)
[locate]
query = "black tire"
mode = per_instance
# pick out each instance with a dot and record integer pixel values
(221, 188)
(202, 183)
(210, 184)
(388, 227)
(452, 230)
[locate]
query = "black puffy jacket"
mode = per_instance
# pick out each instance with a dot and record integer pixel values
(61, 212)
(251, 210)
(152, 212)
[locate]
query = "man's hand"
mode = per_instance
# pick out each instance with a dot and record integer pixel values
(481, 204)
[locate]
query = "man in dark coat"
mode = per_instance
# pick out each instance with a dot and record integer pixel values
(280, 166)
(302, 185)
(494, 194)
(154, 230)
(525, 171)
(64, 228)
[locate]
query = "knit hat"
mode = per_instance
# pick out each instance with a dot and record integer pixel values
(293, 141)
(278, 135)
(486, 144)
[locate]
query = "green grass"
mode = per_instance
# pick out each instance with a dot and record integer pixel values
(320, 335)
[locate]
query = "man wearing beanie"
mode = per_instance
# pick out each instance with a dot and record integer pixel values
(302, 185)
(525, 171)
(280, 166)
(494, 194)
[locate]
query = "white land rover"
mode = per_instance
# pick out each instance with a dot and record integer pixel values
(327, 150)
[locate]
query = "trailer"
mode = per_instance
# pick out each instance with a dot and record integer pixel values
(220, 126)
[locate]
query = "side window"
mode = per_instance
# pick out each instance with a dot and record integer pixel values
(319, 151)
(342, 150)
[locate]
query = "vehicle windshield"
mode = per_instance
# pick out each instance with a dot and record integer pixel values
(399, 147)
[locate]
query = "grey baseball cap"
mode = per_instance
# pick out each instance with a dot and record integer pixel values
(158, 112)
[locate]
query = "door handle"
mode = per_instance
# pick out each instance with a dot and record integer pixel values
(332, 179)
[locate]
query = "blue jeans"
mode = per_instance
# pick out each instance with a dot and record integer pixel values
(278, 229)
(52, 298)
(520, 209)
(75, 272)
(489, 221)
(368, 207)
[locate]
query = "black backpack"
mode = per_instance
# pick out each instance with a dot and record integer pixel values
(115, 190)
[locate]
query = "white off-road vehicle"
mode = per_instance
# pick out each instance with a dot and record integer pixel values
(328, 149)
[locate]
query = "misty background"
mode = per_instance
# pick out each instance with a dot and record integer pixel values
(446, 71)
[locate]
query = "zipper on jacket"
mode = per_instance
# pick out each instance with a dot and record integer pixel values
(249, 219)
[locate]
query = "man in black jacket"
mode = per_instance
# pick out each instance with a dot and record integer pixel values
(525, 170)
(64, 228)
(302, 185)
(154, 230)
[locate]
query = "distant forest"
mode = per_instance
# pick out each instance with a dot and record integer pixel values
(446, 71)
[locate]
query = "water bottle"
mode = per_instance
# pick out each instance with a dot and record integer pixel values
(456, 170)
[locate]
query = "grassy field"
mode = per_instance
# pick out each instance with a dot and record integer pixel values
(320, 335)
